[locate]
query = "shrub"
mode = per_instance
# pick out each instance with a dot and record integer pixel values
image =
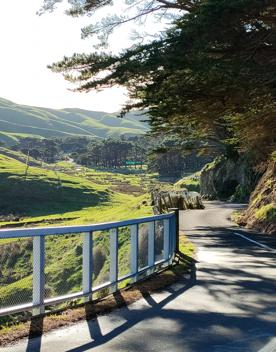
(99, 260)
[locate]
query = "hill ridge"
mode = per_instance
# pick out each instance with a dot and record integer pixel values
(48, 122)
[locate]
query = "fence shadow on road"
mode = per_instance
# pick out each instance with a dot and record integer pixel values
(249, 323)
(36, 329)
(246, 324)
(35, 334)
(133, 317)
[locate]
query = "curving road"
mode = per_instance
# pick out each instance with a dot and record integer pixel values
(229, 306)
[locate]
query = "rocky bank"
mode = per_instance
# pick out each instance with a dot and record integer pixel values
(261, 212)
(228, 179)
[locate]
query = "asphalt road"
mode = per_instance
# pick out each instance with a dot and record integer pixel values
(229, 305)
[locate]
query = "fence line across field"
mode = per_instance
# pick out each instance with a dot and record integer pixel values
(39, 301)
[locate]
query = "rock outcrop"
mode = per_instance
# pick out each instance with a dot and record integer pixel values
(227, 178)
(163, 200)
(261, 212)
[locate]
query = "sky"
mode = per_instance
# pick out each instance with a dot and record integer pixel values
(30, 42)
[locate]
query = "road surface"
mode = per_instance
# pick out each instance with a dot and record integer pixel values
(230, 306)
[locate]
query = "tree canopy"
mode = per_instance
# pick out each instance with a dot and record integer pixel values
(210, 77)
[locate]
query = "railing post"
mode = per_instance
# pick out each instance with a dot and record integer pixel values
(38, 274)
(151, 251)
(176, 235)
(166, 223)
(134, 251)
(113, 271)
(87, 266)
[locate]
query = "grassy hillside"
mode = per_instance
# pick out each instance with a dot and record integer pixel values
(62, 191)
(62, 194)
(43, 122)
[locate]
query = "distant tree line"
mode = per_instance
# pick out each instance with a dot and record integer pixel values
(41, 149)
(163, 156)
(113, 153)
(106, 153)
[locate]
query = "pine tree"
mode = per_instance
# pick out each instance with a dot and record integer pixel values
(210, 77)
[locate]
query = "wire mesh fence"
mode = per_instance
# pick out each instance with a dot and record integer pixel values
(63, 265)
(159, 240)
(101, 257)
(124, 246)
(52, 264)
(143, 244)
(16, 271)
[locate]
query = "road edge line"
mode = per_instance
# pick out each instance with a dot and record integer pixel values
(255, 242)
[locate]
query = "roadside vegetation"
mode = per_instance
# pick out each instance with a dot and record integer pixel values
(191, 183)
(261, 211)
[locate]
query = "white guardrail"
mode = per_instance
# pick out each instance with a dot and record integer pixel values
(38, 235)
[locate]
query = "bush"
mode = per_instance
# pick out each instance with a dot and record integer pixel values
(99, 260)
(267, 212)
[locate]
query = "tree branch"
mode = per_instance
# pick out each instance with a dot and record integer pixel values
(171, 5)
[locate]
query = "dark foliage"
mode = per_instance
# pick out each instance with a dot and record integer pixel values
(210, 77)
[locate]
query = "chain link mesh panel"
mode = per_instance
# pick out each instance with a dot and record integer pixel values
(101, 257)
(143, 245)
(124, 251)
(159, 240)
(63, 265)
(16, 270)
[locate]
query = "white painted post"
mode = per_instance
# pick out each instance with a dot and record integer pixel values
(38, 274)
(113, 270)
(134, 251)
(151, 251)
(166, 223)
(173, 234)
(87, 266)
(172, 238)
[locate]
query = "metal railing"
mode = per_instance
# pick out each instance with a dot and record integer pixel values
(163, 224)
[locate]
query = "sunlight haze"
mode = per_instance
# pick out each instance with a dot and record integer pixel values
(31, 42)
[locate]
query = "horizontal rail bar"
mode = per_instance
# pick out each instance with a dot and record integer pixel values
(16, 309)
(142, 270)
(50, 301)
(62, 230)
(75, 295)
(107, 284)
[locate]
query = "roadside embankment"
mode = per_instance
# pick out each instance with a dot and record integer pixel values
(226, 178)
(261, 212)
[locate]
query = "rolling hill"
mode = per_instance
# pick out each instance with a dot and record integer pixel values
(16, 119)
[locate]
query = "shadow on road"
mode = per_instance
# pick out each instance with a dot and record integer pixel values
(243, 329)
(35, 334)
(133, 317)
